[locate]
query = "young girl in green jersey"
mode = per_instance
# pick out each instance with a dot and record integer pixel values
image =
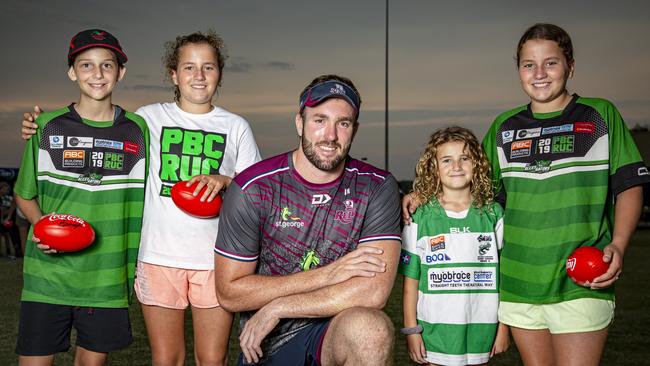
(450, 256)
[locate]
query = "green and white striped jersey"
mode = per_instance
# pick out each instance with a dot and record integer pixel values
(455, 258)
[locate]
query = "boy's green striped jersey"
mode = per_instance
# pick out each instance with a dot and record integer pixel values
(97, 171)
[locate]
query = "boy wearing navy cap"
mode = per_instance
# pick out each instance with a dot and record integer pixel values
(88, 159)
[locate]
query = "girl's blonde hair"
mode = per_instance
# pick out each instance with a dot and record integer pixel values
(427, 183)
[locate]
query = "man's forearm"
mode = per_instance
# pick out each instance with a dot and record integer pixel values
(253, 291)
(239, 289)
(328, 301)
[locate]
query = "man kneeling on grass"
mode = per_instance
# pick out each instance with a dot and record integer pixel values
(309, 242)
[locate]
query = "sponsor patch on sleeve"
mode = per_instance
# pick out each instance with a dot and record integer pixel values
(584, 127)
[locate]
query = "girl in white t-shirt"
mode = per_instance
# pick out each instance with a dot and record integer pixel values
(190, 139)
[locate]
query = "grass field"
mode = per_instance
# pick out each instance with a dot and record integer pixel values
(628, 343)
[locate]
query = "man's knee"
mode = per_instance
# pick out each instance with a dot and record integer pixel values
(360, 333)
(368, 326)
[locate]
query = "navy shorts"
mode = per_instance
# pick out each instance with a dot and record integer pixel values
(303, 349)
(45, 328)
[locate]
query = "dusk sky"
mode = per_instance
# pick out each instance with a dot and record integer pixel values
(451, 62)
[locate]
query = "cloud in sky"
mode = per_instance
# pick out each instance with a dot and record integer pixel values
(278, 66)
(240, 65)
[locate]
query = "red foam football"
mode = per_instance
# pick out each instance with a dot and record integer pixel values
(63, 232)
(183, 198)
(585, 264)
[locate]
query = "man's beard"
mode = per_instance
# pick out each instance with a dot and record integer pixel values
(324, 165)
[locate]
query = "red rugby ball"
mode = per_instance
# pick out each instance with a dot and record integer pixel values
(66, 233)
(183, 198)
(585, 264)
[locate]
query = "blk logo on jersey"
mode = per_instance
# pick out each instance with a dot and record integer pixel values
(459, 230)
(186, 153)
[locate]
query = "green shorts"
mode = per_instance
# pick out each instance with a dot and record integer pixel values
(574, 316)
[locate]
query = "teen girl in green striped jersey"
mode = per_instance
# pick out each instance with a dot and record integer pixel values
(571, 175)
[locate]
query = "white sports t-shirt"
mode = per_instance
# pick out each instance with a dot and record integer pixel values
(184, 145)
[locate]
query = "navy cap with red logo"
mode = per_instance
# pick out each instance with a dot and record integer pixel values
(330, 89)
(95, 38)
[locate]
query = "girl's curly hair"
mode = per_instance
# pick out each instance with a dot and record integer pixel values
(427, 184)
(172, 53)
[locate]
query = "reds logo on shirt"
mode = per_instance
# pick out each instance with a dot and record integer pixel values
(345, 216)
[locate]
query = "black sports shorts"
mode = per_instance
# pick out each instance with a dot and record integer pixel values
(44, 329)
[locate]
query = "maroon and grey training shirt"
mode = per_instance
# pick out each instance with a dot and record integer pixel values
(273, 216)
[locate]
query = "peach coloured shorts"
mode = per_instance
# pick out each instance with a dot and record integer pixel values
(175, 288)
